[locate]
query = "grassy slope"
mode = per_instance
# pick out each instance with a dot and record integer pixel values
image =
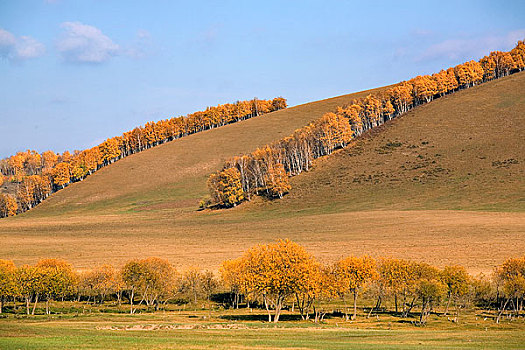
(352, 202)
(173, 175)
(462, 152)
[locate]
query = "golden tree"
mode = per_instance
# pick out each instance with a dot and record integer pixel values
(231, 277)
(8, 205)
(518, 55)
(61, 174)
(276, 272)
(457, 282)
(28, 281)
(277, 183)
(152, 278)
(424, 88)
(511, 275)
(7, 281)
(429, 289)
(100, 281)
(49, 159)
(191, 283)
(394, 277)
(352, 274)
(57, 279)
(225, 187)
(110, 150)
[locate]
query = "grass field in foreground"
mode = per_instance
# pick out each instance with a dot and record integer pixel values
(204, 330)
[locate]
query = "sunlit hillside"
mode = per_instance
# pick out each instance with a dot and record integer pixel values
(443, 183)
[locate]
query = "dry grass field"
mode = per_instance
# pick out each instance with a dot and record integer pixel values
(444, 184)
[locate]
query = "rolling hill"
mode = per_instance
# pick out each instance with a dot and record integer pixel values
(443, 183)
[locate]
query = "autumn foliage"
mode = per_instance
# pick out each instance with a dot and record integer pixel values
(38, 175)
(276, 277)
(295, 153)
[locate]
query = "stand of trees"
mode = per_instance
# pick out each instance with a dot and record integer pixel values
(36, 176)
(266, 170)
(275, 277)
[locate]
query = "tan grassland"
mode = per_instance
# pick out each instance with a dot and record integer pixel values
(443, 183)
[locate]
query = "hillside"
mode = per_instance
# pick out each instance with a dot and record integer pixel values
(462, 152)
(173, 175)
(443, 183)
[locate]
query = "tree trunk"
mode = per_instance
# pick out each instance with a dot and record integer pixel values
(355, 305)
(267, 308)
(395, 300)
(501, 310)
(376, 307)
(131, 301)
(277, 314)
(448, 304)
(411, 307)
(34, 306)
(422, 313)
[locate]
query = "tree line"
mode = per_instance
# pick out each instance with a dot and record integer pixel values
(266, 170)
(275, 277)
(35, 176)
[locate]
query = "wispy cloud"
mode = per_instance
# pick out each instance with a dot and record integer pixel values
(474, 47)
(20, 48)
(142, 46)
(82, 43)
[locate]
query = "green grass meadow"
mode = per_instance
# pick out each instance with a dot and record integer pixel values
(242, 329)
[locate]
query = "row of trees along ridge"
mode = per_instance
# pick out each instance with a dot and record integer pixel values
(33, 176)
(275, 277)
(266, 170)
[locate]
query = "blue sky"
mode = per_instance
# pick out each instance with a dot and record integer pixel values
(73, 73)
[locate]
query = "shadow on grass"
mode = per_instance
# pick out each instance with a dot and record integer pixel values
(260, 317)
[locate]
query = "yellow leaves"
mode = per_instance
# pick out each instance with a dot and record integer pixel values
(401, 96)
(497, 64)
(49, 159)
(512, 275)
(32, 190)
(110, 149)
(424, 88)
(226, 188)
(456, 279)
(372, 108)
(7, 278)
(282, 268)
(518, 55)
(276, 181)
(61, 174)
(151, 275)
(100, 281)
(278, 103)
(8, 205)
(469, 73)
(387, 108)
(332, 131)
(352, 273)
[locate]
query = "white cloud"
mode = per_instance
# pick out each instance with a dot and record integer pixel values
(471, 48)
(82, 43)
(142, 46)
(19, 49)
